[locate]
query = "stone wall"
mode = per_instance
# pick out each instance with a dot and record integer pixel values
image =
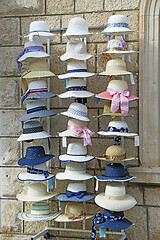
(16, 15)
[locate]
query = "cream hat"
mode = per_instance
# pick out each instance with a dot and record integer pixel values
(117, 46)
(115, 198)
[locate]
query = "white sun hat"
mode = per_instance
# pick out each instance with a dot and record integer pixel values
(35, 192)
(78, 111)
(74, 171)
(115, 198)
(76, 49)
(76, 88)
(117, 25)
(77, 27)
(77, 69)
(76, 152)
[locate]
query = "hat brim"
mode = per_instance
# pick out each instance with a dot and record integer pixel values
(30, 55)
(64, 218)
(76, 75)
(116, 161)
(86, 119)
(24, 176)
(121, 134)
(38, 74)
(117, 31)
(115, 72)
(62, 197)
(120, 52)
(103, 178)
(74, 34)
(68, 56)
(42, 35)
(76, 94)
(39, 114)
(25, 197)
(73, 176)
(113, 114)
(115, 205)
(71, 158)
(116, 225)
(30, 136)
(27, 161)
(27, 216)
(40, 95)
(107, 95)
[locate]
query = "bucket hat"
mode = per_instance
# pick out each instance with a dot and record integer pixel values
(38, 68)
(74, 171)
(37, 90)
(74, 211)
(33, 130)
(115, 154)
(78, 111)
(117, 25)
(40, 211)
(77, 27)
(76, 69)
(36, 109)
(107, 111)
(76, 152)
(35, 173)
(35, 192)
(40, 29)
(115, 198)
(34, 155)
(76, 192)
(76, 88)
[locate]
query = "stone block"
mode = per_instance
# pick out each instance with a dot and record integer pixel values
(59, 7)
(14, 236)
(89, 6)
(9, 214)
(111, 5)
(136, 192)
(152, 196)
(153, 217)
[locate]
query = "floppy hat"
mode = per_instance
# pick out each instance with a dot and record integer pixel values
(35, 192)
(36, 90)
(33, 130)
(76, 192)
(117, 128)
(107, 111)
(76, 88)
(117, 46)
(38, 68)
(77, 27)
(78, 111)
(34, 155)
(74, 171)
(115, 198)
(40, 211)
(117, 25)
(74, 211)
(76, 152)
(35, 173)
(36, 109)
(115, 153)
(75, 69)
(76, 49)
(40, 29)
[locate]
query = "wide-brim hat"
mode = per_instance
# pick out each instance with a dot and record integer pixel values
(40, 95)
(120, 52)
(105, 158)
(117, 31)
(41, 35)
(62, 197)
(76, 94)
(74, 158)
(24, 176)
(33, 136)
(27, 216)
(72, 115)
(115, 72)
(64, 218)
(107, 95)
(42, 113)
(121, 134)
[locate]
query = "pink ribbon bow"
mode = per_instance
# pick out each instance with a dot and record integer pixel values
(87, 133)
(119, 98)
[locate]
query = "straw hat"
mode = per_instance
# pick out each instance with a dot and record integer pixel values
(74, 212)
(107, 111)
(35, 192)
(77, 27)
(115, 198)
(40, 211)
(115, 153)
(117, 25)
(117, 46)
(115, 67)
(38, 68)
(76, 49)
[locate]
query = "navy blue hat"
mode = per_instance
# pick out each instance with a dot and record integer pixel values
(34, 155)
(114, 172)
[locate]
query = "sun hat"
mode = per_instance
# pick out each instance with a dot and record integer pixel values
(78, 111)
(117, 46)
(115, 198)
(117, 91)
(76, 88)
(76, 49)
(117, 128)
(33, 130)
(75, 69)
(117, 25)
(115, 67)
(76, 192)
(38, 68)
(40, 29)
(74, 171)
(36, 90)
(115, 154)
(107, 111)
(35, 192)
(40, 211)
(77, 27)
(74, 211)
(76, 152)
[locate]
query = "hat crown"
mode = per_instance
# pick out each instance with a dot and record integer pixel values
(116, 44)
(76, 46)
(41, 166)
(118, 85)
(32, 124)
(76, 187)
(115, 151)
(76, 149)
(115, 170)
(38, 65)
(117, 63)
(37, 190)
(40, 208)
(35, 42)
(77, 25)
(115, 190)
(78, 108)
(35, 152)
(76, 82)
(34, 104)
(77, 123)
(37, 85)
(74, 208)
(118, 19)
(75, 167)
(76, 65)
(119, 125)
(109, 213)
(37, 26)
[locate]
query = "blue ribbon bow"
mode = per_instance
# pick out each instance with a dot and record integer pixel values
(79, 194)
(98, 218)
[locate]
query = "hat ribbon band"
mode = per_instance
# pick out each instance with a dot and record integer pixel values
(71, 216)
(109, 197)
(77, 88)
(37, 171)
(114, 129)
(33, 130)
(77, 112)
(33, 91)
(27, 50)
(98, 218)
(79, 194)
(86, 132)
(37, 109)
(115, 218)
(76, 70)
(125, 25)
(119, 99)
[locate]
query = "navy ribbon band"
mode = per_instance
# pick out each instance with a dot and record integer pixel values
(37, 171)
(37, 109)
(33, 130)
(76, 70)
(114, 129)
(79, 194)
(77, 88)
